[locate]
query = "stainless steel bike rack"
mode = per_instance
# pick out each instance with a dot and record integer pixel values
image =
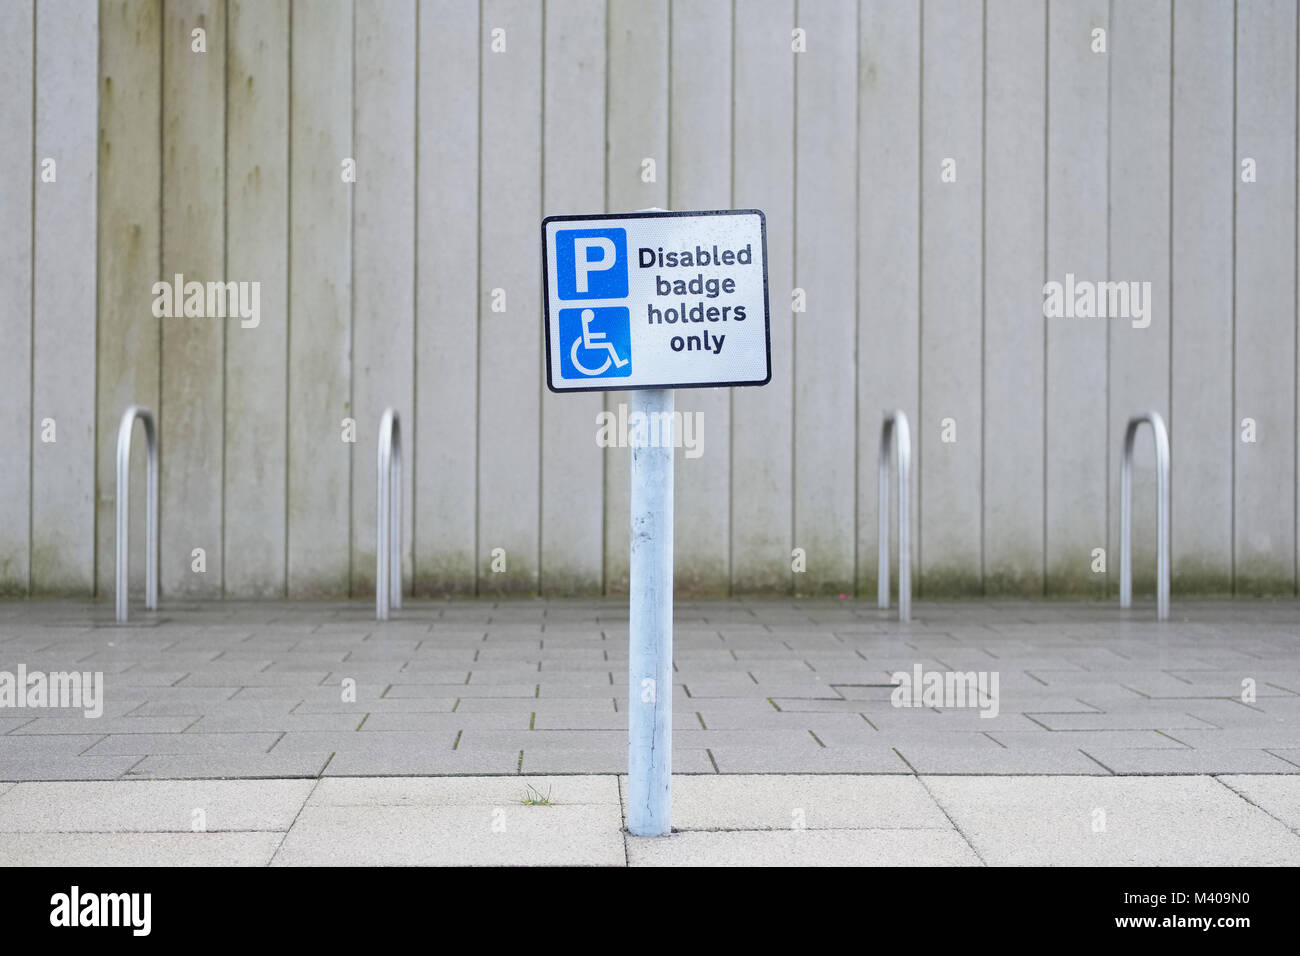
(895, 427)
(124, 507)
(1162, 513)
(388, 520)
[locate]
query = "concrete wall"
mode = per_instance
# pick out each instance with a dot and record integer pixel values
(924, 167)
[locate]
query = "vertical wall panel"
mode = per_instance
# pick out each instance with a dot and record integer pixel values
(192, 407)
(130, 189)
(257, 250)
(573, 182)
(888, 263)
(763, 178)
(1202, 434)
(63, 298)
(1014, 194)
(320, 303)
(1076, 348)
(825, 336)
(510, 365)
(1139, 253)
(17, 430)
(699, 176)
(637, 117)
(951, 298)
(383, 255)
(1265, 354)
(445, 426)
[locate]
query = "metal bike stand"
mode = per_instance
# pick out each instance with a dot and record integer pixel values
(1161, 437)
(388, 519)
(122, 569)
(895, 427)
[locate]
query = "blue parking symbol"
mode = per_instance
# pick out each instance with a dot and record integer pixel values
(591, 263)
(595, 343)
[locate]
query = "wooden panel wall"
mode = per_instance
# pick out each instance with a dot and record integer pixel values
(380, 170)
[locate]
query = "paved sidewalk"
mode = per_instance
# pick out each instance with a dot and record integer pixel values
(229, 690)
(783, 820)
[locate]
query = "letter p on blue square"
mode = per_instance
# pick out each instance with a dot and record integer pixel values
(591, 263)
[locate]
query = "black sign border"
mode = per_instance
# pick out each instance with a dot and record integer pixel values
(546, 293)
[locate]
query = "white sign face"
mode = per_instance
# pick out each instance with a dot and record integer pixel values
(656, 300)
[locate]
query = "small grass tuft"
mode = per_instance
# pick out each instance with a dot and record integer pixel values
(535, 798)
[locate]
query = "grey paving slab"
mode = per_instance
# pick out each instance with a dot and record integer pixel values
(443, 722)
(262, 722)
(375, 704)
(502, 705)
(804, 848)
(138, 849)
(106, 725)
(186, 743)
(55, 767)
(152, 806)
(1087, 739)
(1123, 720)
(463, 791)
(1112, 821)
(946, 759)
(830, 802)
(1199, 761)
(463, 691)
(16, 746)
(378, 742)
(491, 833)
(229, 766)
(817, 760)
(365, 763)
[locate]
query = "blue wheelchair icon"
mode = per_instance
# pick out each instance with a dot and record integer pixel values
(596, 343)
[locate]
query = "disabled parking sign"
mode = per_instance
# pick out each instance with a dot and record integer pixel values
(656, 300)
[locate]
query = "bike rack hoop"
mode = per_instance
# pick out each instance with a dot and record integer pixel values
(388, 518)
(123, 553)
(1161, 436)
(895, 427)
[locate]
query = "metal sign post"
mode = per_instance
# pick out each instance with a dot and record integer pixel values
(650, 302)
(650, 619)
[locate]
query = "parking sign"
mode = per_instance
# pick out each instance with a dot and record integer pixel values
(656, 300)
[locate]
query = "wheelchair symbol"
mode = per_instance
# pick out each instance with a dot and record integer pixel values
(593, 341)
(603, 352)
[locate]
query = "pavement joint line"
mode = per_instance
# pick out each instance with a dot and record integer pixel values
(297, 814)
(1238, 793)
(1100, 764)
(1271, 752)
(944, 810)
(102, 738)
